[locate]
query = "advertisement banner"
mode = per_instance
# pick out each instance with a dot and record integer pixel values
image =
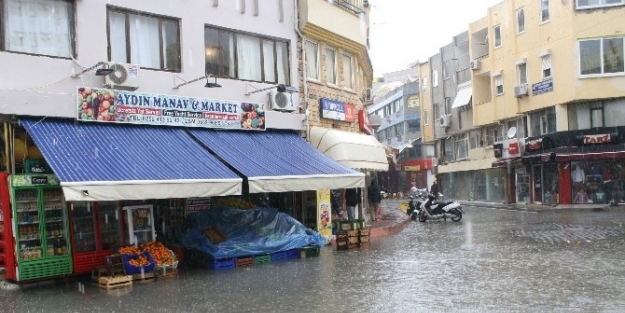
(336, 110)
(324, 218)
(119, 106)
(198, 204)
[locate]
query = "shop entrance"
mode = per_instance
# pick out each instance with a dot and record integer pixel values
(522, 185)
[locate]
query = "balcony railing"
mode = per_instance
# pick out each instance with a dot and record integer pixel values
(354, 6)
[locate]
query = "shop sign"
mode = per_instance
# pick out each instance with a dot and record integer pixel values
(534, 144)
(336, 110)
(19, 180)
(364, 123)
(39, 180)
(324, 222)
(119, 106)
(592, 139)
(412, 168)
(198, 204)
(544, 86)
(511, 148)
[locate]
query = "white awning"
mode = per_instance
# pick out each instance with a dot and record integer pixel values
(354, 150)
(462, 97)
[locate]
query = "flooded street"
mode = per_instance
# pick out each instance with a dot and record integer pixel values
(493, 260)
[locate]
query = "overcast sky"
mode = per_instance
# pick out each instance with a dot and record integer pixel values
(404, 31)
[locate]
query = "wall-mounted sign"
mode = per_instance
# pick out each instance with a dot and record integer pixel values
(118, 106)
(544, 86)
(336, 110)
(198, 204)
(415, 165)
(364, 124)
(535, 144)
(412, 168)
(593, 139)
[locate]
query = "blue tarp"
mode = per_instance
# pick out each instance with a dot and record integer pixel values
(248, 232)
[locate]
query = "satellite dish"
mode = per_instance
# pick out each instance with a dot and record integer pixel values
(511, 132)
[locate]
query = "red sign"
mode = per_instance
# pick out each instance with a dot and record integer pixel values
(364, 124)
(535, 144)
(350, 113)
(421, 164)
(513, 148)
(604, 138)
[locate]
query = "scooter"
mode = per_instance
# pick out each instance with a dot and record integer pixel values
(416, 202)
(442, 210)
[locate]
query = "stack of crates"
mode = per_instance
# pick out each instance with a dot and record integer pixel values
(352, 238)
(342, 240)
(364, 236)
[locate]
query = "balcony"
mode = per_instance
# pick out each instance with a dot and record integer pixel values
(318, 19)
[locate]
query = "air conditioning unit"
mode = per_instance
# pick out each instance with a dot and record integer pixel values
(444, 120)
(283, 101)
(520, 90)
(124, 76)
(475, 64)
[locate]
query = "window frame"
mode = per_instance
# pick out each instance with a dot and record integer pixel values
(334, 69)
(317, 71)
(497, 33)
(601, 57)
(597, 6)
(426, 117)
(446, 75)
(464, 141)
(434, 78)
(261, 40)
(498, 78)
(352, 85)
(543, 61)
(71, 26)
(520, 72)
(601, 117)
(542, 10)
(520, 31)
(161, 18)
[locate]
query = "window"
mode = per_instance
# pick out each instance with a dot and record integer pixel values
(546, 66)
(434, 78)
(494, 134)
(151, 41)
(246, 56)
(348, 72)
(463, 148)
(312, 60)
(591, 4)
(596, 117)
(38, 27)
(476, 139)
(543, 122)
(331, 66)
(497, 32)
(425, 84)
(436, 111)
(447, 105)
(499, 85)
(601, 56)
(544, 11)
(446, 70)
(449, 150)
(520, 21)
(521, 70)
(426, 117)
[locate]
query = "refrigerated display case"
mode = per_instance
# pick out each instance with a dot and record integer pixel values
(140, 221)
(95, 229)
(39, 227)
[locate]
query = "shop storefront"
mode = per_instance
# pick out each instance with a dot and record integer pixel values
(132, 166)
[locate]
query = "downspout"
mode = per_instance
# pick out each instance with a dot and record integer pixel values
(304, 74)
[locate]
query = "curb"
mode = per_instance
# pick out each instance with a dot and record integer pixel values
(377, 232)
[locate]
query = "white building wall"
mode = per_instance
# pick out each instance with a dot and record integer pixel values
(43, 86)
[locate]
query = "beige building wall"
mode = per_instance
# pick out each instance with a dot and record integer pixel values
(425, 98)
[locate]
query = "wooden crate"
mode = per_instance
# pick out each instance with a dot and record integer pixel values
(364, 239)
(341, 234)
(169, 273)
(364, 231)
(353, 245)
(342, 244)
(146, 278)
(111, 282)
(352, 233)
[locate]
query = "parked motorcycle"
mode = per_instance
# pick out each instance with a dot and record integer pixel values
(441, 210)
(416, 202)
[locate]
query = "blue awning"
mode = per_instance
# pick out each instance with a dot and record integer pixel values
(108, 162)
(277, 161)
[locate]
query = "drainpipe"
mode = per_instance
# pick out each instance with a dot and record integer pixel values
(304, 74)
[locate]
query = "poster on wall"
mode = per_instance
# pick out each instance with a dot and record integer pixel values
(324, 224)
(119, 106)
(198, 204)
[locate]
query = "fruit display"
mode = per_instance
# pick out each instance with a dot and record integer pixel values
(161, 255)
(139, 261)
(252, 116)
(129, 250)
(96, 104)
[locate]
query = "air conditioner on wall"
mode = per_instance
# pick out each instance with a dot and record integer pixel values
(124, 76)
(475, 64)
(520, 90)
(283, 101)
(444, 120)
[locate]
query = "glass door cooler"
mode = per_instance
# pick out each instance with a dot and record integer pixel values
(140, 221)
(40, 227)
(95, 229)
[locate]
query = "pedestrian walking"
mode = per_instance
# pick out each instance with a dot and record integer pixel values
(374, 200)
(434, 189)
(352, 198)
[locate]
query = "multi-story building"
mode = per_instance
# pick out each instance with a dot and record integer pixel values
(397, 104)
(548, 98)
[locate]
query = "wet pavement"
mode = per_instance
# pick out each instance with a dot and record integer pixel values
(494, 260)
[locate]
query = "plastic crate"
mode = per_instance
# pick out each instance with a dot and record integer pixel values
(279, 256)
(262, 259)
(221, 264)
(292, 254)
(132, 270)
(310, 251)
(245, 261)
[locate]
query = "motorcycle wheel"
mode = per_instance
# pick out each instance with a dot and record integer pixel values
(422, 218)
(456, 215)
(413, 217)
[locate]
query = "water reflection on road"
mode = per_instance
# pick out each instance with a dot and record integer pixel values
(493, 260)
